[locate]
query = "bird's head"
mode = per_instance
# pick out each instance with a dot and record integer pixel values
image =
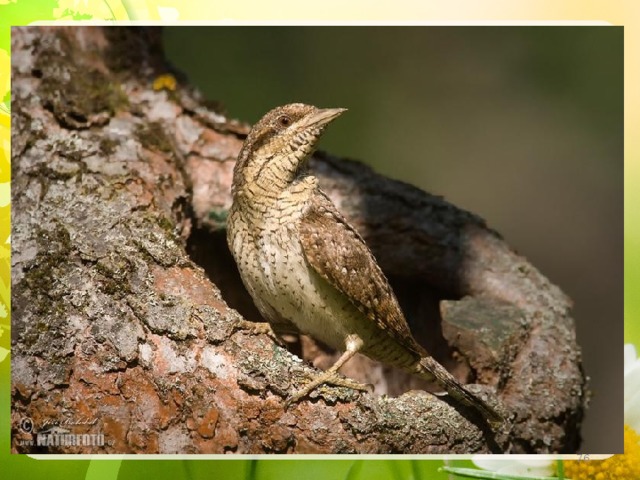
(278, 146)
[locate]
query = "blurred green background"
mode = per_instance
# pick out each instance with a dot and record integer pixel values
(520, 125)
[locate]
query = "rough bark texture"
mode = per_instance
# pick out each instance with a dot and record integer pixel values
(119, 189)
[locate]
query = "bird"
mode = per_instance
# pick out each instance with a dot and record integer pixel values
(306, 267)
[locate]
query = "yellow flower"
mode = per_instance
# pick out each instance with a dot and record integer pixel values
(618, 467)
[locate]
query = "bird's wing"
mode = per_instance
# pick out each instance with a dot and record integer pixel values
(338, 254)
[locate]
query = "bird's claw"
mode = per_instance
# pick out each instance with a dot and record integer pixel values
(329, 378)
(256, 328)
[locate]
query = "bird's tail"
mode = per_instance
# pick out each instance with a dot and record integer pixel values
(430, 369)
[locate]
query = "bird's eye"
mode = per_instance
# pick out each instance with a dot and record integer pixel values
(284, 121)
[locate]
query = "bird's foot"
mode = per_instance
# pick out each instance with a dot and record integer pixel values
(257, 328)
(330, 378)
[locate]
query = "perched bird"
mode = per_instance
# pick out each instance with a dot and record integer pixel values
(305, 265)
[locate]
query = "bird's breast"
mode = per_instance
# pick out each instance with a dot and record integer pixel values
(284, 285)
(273, 267)
(297, 292)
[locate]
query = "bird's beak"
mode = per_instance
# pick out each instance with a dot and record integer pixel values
(323, 116)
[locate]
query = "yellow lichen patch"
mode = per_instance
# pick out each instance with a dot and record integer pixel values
(618, 467)
(165, 82)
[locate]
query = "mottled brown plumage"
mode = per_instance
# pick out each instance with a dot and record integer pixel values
(306, 267)
(336, 251)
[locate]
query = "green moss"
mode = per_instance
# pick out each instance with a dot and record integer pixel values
(77, 95)
(42, 327)
(218, 218)
(153, 137)
(113, 288)
(86, 100)
(108, 146)
(114, 277)
(41, 274)
(165, 224)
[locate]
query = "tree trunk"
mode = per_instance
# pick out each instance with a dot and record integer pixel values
(126, 298)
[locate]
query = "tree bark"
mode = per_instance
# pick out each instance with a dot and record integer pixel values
(126, 299)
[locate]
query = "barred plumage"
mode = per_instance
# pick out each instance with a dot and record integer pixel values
(306, 267)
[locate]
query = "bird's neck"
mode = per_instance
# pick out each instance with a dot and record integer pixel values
(267, 195)
(260, 179)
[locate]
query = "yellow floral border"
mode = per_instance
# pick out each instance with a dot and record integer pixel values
(5, 206)
(20, 12)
